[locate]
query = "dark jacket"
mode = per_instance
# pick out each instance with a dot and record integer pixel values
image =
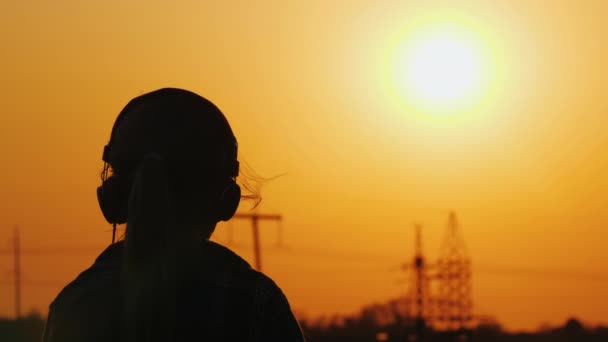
(225, 300)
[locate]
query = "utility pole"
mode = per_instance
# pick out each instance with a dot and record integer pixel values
(17, 272)
(255, 218)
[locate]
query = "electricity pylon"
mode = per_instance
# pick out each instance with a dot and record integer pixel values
(454, 291)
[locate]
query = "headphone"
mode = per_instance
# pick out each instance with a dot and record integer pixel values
(114, 191)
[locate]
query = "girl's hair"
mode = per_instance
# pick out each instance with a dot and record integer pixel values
(168, 148)
(150, 257)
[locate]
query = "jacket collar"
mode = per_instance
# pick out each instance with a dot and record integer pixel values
(112, 255)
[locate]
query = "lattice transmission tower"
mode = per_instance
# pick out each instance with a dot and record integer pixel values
(453, 273)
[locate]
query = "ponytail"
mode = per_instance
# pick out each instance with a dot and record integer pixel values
(149, 260)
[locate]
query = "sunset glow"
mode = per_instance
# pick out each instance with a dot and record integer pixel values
(377, 114)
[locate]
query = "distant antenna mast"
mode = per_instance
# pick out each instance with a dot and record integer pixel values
(421, 289)
(17, 271)
(421, 284)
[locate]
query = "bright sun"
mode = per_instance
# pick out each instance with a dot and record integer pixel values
(440, 71)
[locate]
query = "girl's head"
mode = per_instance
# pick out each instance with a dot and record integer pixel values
(189, 142)
(171, 166)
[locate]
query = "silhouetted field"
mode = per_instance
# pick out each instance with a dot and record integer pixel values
(361, 329)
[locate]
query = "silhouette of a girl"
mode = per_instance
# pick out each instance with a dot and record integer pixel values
(170, 174)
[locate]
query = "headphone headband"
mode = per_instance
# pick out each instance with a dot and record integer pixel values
(229, 164)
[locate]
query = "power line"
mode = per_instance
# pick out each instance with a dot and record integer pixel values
(541, 273)
(54, 250)
(342, 256)
(346, 256)
(37, 283)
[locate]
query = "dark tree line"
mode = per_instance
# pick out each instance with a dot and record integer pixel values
(360, 329)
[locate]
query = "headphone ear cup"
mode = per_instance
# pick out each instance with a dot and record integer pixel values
(112, 201)
(229, 201)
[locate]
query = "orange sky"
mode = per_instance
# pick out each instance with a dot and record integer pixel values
(305, 87)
